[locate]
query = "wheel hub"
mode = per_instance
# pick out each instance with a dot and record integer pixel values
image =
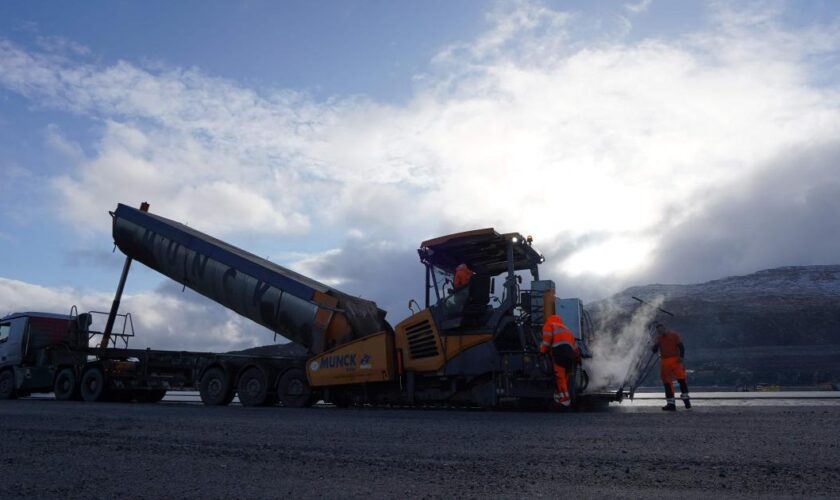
(253, 387)
(295, 388)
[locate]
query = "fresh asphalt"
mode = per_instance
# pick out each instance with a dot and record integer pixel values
(52, 449)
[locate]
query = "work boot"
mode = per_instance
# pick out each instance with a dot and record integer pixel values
(669, 407)
(557, 397)
(686, 400)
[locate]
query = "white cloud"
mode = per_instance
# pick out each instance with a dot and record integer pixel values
(638, 7)
(163, 319)
(57, 141)
(317, 264)
(527, 127)
(60, 45)
(786, 214)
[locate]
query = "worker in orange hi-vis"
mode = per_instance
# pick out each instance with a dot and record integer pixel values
(671, 353)
(462, 276)
(558, 340)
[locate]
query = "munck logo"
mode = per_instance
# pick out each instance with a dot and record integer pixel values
(346, 361)
(339, 361)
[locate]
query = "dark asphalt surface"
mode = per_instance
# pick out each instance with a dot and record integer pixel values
(51, 449)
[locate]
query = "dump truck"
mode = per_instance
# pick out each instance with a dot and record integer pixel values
(60, 353)
(477, 346)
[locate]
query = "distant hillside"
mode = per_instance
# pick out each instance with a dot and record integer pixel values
(777, 326)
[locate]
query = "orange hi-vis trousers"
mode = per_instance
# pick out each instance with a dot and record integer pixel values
(562, 382)
(671, 368)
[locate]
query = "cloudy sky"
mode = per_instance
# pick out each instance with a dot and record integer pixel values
(638, 142)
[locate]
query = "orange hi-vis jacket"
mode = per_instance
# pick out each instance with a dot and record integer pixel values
(671, 351)
(462, 276)
(555, 334)
(668, 344)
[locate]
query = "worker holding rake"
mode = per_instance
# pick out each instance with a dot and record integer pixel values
(671, 353)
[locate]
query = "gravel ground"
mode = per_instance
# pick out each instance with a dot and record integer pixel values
(51, 449)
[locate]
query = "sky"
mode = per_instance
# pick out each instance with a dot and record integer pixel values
(637, 142)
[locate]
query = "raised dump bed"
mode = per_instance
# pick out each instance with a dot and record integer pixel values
(301, 309)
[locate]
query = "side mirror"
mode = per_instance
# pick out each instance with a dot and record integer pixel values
(492, 285)
(519, 279)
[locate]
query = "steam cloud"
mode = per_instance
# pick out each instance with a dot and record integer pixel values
(620, 343)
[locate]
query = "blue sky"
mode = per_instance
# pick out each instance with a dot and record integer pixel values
(636, 141)
(371, 48)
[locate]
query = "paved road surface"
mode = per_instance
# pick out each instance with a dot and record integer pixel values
(51, 449)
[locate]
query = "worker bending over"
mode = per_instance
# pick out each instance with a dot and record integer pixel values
(558, 340)
(671, 353)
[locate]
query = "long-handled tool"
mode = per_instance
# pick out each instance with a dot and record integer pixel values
(644, 363)
(649, 304)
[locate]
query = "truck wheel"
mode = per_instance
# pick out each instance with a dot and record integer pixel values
(7, 385)
(215, 388)
(65, 387)
(293, 389)
(92, 387)
(253, 387)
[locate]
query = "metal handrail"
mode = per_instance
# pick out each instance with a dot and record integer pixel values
(124, 334)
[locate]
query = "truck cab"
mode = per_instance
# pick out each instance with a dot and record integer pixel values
(491, 257)
(33, 347)
(11, 338)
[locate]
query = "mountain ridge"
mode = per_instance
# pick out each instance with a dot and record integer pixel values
(789, 280)
(779, 325)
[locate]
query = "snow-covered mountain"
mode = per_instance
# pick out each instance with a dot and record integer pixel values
(778, 325)
(794, 281)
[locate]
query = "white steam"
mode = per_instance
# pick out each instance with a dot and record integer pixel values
(622, 339)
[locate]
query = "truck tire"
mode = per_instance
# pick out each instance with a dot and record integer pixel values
(253, 387)
(215, 388)
(7, 385)
(92, 387)
(65, 387)
(293, 389)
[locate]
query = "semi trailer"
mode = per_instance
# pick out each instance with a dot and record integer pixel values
(42, 352)
(476, 346)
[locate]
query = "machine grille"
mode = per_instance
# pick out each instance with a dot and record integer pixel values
(421, 340)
